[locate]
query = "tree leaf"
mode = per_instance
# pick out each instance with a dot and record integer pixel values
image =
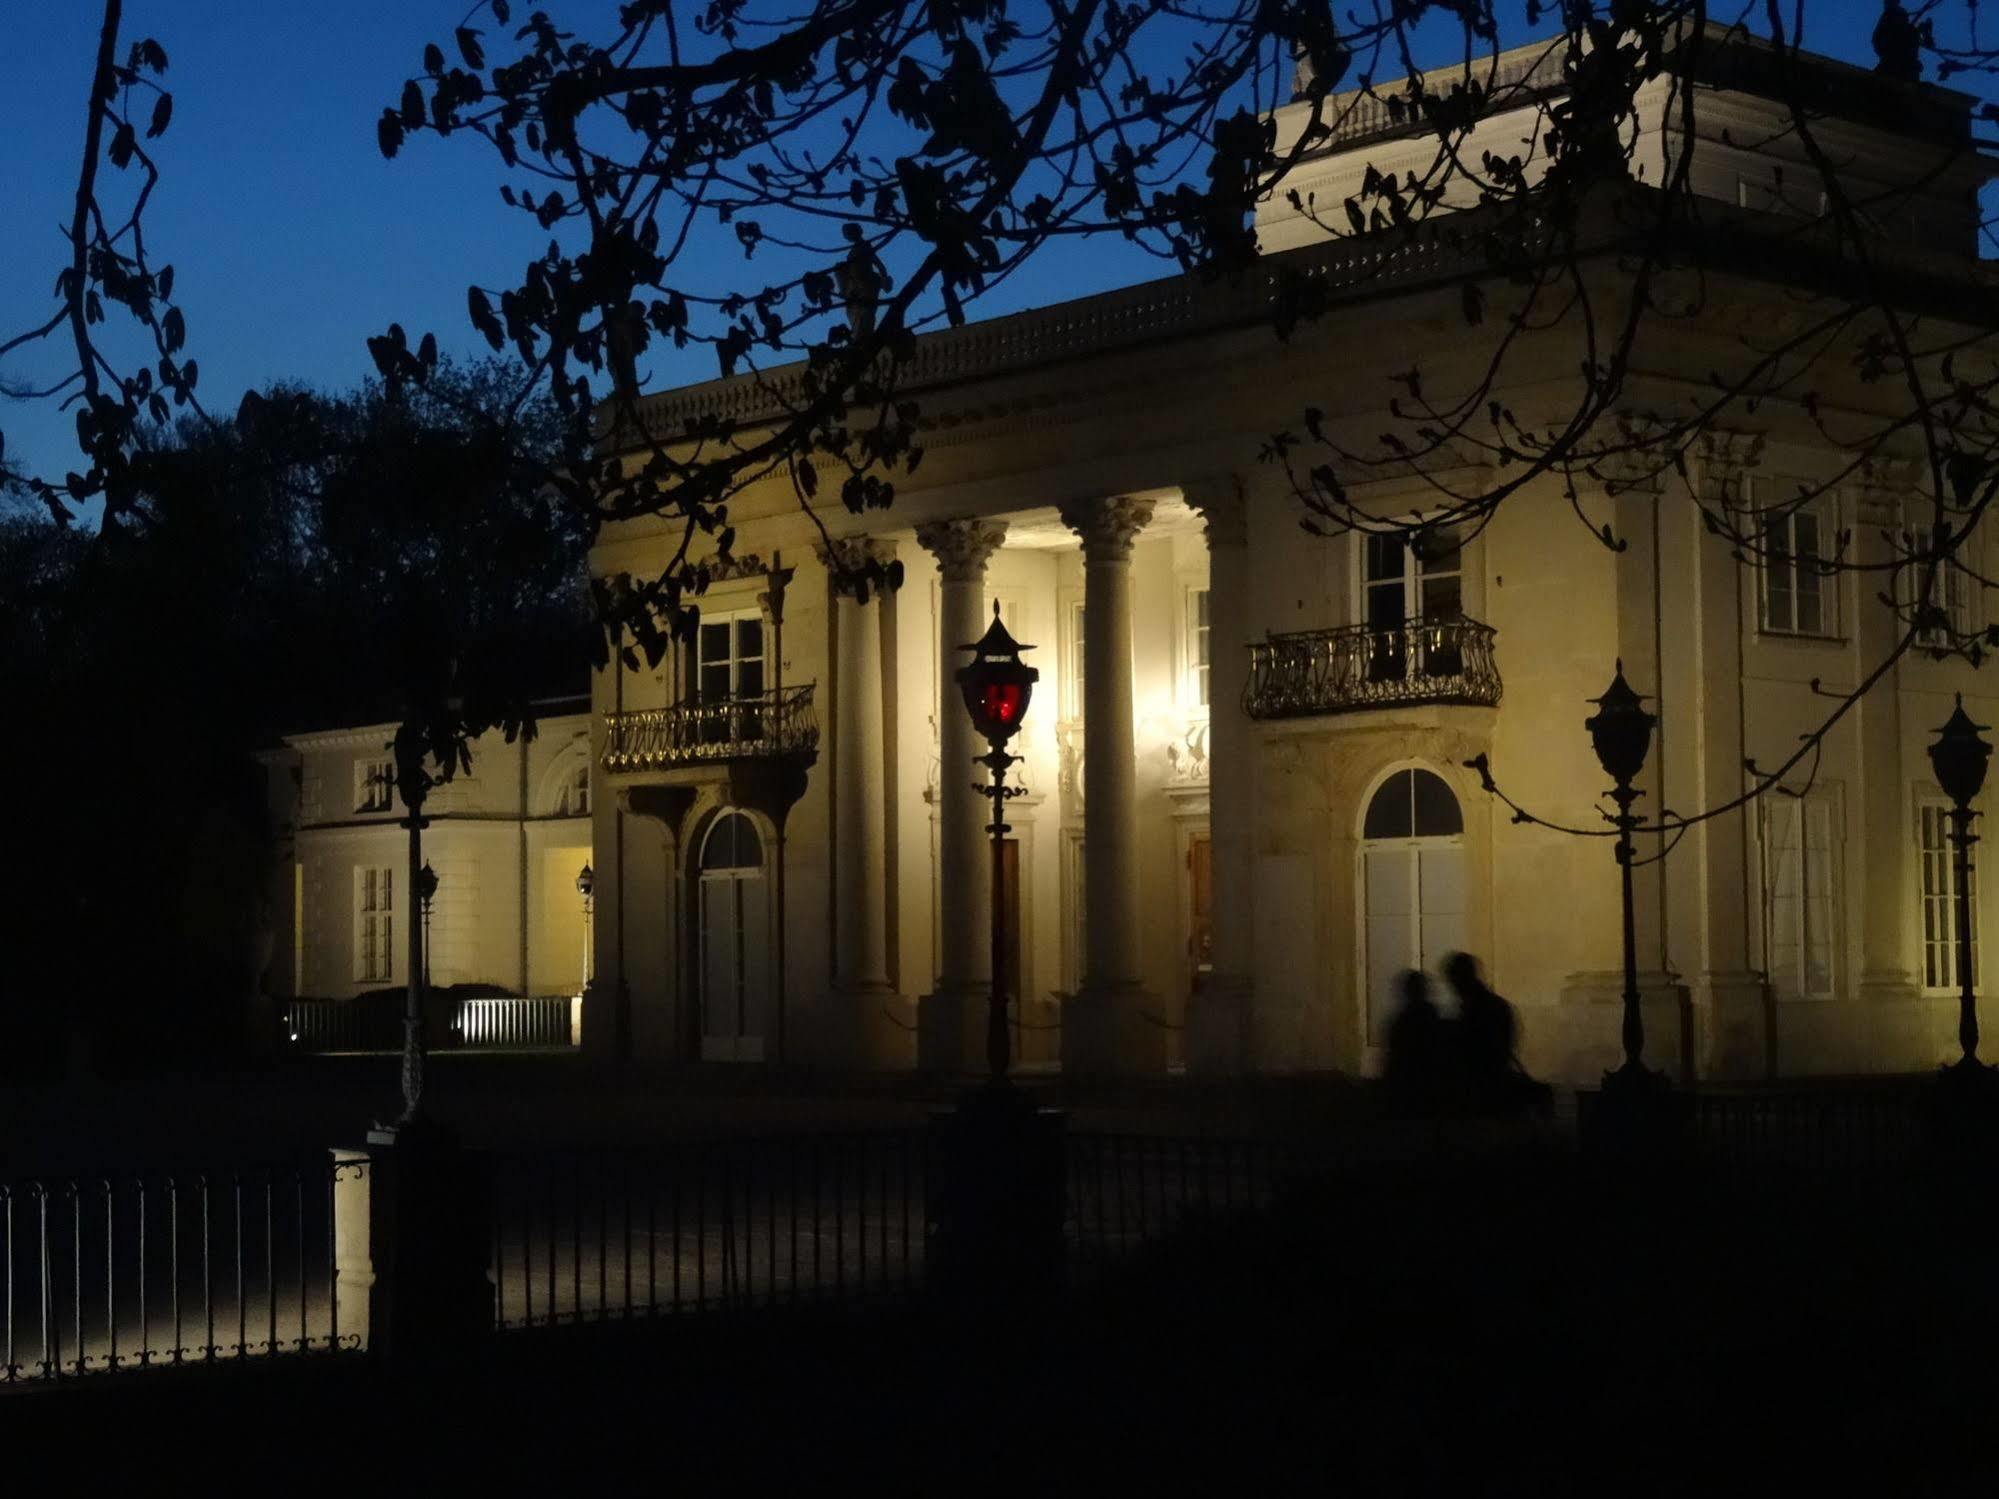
(469, 48)
(163, 111)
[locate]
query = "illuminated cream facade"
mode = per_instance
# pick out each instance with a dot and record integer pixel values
(506, 842)
(1225, 856)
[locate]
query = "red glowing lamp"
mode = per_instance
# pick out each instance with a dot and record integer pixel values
(996, 683)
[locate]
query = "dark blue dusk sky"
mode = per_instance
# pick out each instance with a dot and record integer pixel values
(291, 238)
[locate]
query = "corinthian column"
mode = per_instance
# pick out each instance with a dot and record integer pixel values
(1218, 1016)
(868, 1033)
(1887, 963)
(1104, 1027)
(950, 1022)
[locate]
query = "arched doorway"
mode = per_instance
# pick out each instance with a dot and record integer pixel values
(734, 915)
(1413, 885)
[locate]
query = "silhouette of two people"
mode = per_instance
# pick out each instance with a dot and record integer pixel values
(1462, 1067)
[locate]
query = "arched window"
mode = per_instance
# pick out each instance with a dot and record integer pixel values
(1413, 884)
(1413, 804)
(732, 844)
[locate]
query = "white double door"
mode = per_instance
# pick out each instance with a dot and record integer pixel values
(1415, 903)
(736, 976)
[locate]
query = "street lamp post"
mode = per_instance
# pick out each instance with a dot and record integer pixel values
(999, 1209)
(997, 685)
(1621, 731)
(426, 892)
(1959, 758)
(586, 885)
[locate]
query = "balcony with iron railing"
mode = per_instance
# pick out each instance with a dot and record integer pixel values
(1311, 673)
(762, 725)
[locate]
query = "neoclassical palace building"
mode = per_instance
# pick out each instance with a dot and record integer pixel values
(1248, 806)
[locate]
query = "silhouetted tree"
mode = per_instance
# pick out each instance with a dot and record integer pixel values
(881, 165)
(273, 572)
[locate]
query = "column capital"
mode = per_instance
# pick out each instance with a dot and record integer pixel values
(961, 547)
(1223, 508)
(1639, 461)
(860, 566)
(1884, 485)
(1725, 457)
(1107, 527)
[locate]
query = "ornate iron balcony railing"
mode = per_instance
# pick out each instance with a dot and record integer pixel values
(1316, 672)
(755, 726)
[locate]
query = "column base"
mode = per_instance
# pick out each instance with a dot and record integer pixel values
(1734, 1026)
(1218, 1026)
(1113, 1030)
(1580, 1038)
(951, 1029)
(878, 1036)
(1887, 986)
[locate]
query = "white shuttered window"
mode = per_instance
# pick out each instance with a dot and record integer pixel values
(1800, 896)
(374, 924)
(1938, 861)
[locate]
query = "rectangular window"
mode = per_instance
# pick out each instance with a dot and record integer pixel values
(729, 675)
(1938, 861)
(1073, 659)
(1800, 901)
(576, 797)
(374, 924)
(1799, 594)
(1946, 588)
(1199, 646)
(375, 785)
(1410, 579)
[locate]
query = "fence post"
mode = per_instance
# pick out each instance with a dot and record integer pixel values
(997, 1214)
(353, 1245)
(428, 1225)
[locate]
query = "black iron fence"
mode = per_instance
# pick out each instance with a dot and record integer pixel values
(732, 1225)
(374, 1022)
(745, 726)
(162, 1270)
(1311, 672)
(1833, 1126)
(1124, 1190)
(727, 1224)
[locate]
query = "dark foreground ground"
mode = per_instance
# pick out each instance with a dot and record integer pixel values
(1498, 1323)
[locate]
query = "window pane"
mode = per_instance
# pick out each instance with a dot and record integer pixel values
(715, 682)
(750, 678)
(1805, 532)
(1443, 598)
(750, 638)
(1777, 611)
(1386, 558)
(1437, 813)
(1384, 605)
(714, 642)
(1391, 813)
(1437, 552)
(1811, 603)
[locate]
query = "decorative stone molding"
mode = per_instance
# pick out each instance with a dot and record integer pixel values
(1069, 758)
(1187, 756)
(1107, 527)
(1883, 485)
(733, 566)
(849, 559)
(1642, 459)
(1725, 457)
(1223, 509)
(961, 547)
